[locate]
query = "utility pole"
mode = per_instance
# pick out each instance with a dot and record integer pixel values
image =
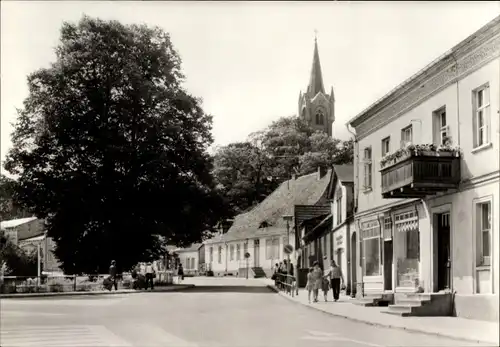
(225, 243)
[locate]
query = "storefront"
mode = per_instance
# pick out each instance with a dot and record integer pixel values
(371, 255)
(407, 250)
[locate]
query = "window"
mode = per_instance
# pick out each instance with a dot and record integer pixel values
(339, 209)
(371, 248)
(387, 228)
(484, 233)
(368, 168)
(386, 146)
(211, 254)
(245, 248)
(220, 255)
(406, 136)
(231, 252)
(481, 101)
(320, 118)
(238, 252)
(323, 239)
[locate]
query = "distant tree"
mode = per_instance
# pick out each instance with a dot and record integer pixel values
(242, 171)
(9, 209)
(112, 151)
(249, 171)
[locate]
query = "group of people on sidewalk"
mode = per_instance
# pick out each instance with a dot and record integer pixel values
(325, 279)
(283, 275)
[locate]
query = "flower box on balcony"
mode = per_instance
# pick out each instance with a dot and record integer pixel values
(419, 171)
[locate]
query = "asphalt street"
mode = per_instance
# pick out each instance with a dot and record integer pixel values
(218, 312)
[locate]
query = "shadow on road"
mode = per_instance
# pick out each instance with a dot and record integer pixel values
(229, 289)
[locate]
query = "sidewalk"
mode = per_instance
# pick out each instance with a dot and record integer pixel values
(451, 327)
(171, 288)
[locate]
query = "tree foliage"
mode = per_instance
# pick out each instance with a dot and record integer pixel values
(111, 150)
(16, 261)
(249, 171)
(9, 209)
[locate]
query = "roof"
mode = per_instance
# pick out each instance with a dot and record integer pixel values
(307, 212)
(6, 224)
(316, 79)
(193, 248)
(248, 234)
(345, 173)
(474, 39)
(304, 190)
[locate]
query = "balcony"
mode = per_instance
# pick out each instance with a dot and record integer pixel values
(416, 173)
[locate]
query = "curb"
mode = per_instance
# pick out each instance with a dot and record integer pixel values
(383, 325)
(174, 288)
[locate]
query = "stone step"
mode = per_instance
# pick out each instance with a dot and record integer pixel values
(402, 310)
(412, 301)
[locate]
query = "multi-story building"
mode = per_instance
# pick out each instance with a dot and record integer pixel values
(427, 183)
(328, 237)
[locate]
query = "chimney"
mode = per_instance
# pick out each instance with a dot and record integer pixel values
(321, 171)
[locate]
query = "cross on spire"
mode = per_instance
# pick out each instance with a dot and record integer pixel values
(315, 35)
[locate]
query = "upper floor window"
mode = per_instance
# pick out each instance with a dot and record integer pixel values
(386, 146)
(481, 102)
(406, 136)
(320, 118)
(367, 168)
(339, 209)
(441, 134)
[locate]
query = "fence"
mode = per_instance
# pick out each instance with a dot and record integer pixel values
(71, 283)
(287, 284)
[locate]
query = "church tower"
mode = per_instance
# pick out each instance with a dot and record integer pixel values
(315, 106)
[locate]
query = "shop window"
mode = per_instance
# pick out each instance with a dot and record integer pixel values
(371, 248)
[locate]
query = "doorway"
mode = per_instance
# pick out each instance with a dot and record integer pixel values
(256, 253)
(443, 251)
(388, 250)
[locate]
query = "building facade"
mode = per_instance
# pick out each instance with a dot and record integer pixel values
(427, 181)
(189, 257)
(315, 106)
(266, 229)
(329, 237)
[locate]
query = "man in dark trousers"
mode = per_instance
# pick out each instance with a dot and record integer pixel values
(112, 274)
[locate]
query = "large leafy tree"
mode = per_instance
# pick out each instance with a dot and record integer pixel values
(111, 150)
(9, 209)
(249, 171)
(15, 260)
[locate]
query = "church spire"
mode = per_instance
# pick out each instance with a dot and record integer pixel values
(316, 79)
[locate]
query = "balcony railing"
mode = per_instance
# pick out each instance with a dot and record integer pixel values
(420, 176)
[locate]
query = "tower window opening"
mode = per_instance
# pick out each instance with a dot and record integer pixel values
(320, 118)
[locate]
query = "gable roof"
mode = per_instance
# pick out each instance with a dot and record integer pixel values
(345, 173)
(304, 190)
(192, 248)
(249, 234)
(6, 224)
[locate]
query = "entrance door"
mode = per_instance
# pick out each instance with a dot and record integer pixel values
(388, 265)
(256, 253)
(444, 252)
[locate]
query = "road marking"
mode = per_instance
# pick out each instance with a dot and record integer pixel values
(156, 336)
(59, 336)
(328, 337)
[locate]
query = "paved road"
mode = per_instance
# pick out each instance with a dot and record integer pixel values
(218, 312)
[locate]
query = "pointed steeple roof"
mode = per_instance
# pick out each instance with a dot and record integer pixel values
(316, 79)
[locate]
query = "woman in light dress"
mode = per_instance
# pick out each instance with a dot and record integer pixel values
(317, 280)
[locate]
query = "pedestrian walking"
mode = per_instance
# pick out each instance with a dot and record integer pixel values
(180, 273)
(336, 278)
(150, 272)
(310, 284)
(317, 279)
(112, 275)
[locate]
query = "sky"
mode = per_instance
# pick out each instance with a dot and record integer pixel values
(248, 61)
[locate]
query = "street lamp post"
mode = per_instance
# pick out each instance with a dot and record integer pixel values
(288, 219)
(225, 243)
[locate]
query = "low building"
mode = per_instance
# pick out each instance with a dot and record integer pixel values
(189, 257)
(264, 231)
(29, 234)
(427, 185)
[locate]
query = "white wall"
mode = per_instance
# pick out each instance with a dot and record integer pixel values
(473, 164)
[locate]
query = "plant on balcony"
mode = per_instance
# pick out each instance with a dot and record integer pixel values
(413, 150)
